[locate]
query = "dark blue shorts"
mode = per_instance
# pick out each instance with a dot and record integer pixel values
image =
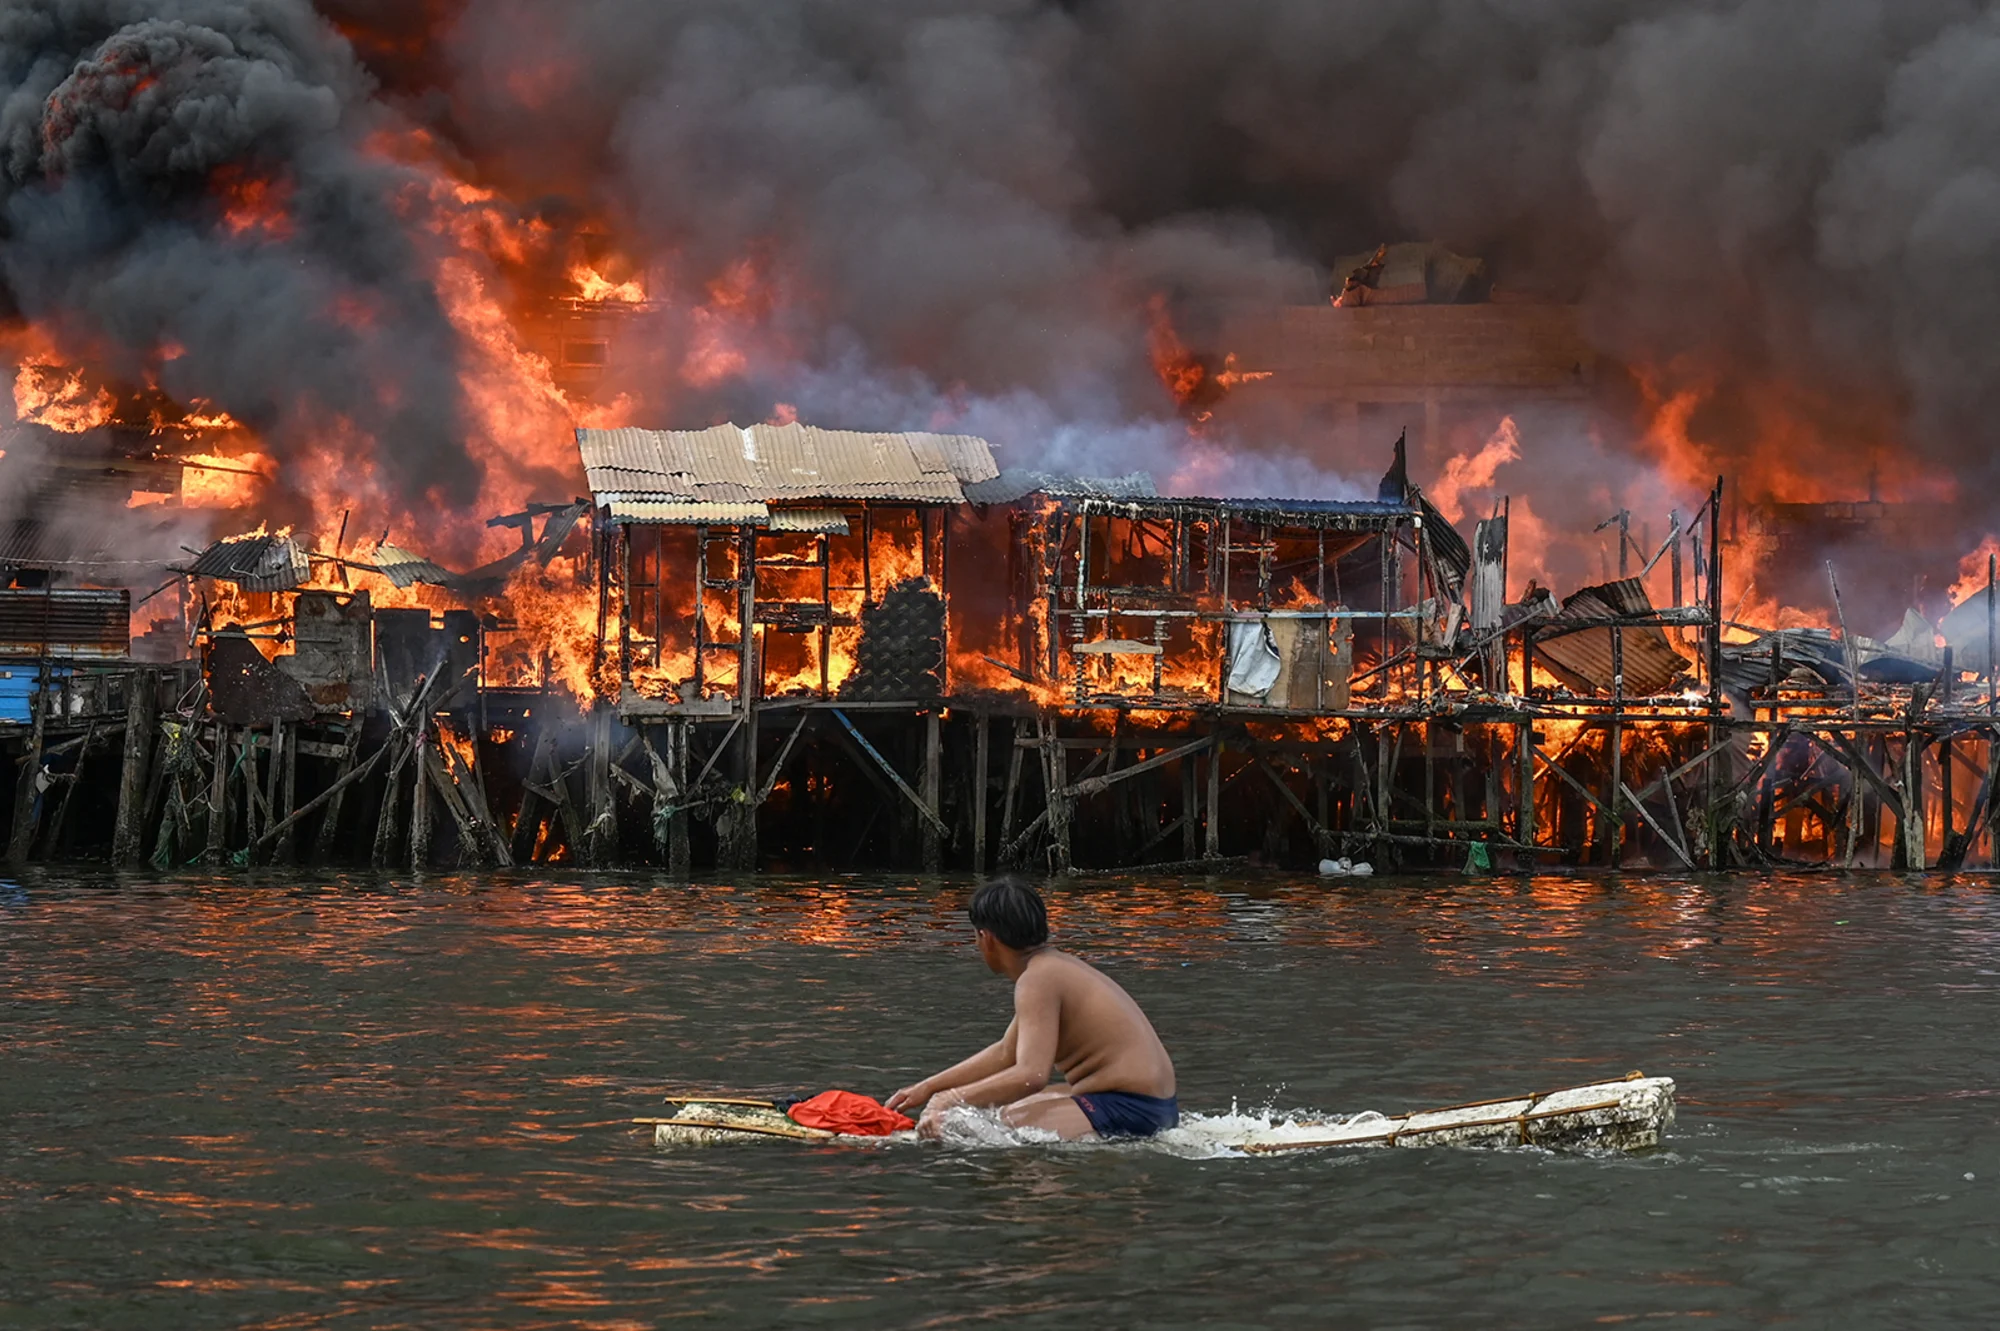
(1123, 1114)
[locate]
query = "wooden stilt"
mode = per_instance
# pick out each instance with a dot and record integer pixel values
(680, 853)
(218, 798)
(52, 848)
(141, 696)
(1015, 756)
(1211, 820)
(1190, 814)
(600, 848)
(980, 758)
(274, 776)
(1910, 830)
(329, 827)
(930, 780)
(736, 828)
(541, 770)
(286, 828)
(421, 817)
(1055, 767)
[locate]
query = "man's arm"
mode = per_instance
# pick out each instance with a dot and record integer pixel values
(985, 1063)
(1037, 1021)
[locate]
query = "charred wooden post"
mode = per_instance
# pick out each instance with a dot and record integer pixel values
(274, 772)
(680, 854)
(52, 848)
(421, 817)
(536, 806)
(282, 833)
(1015, 756)
(388, 818)
(600, 835)
(1190, 811)
(1614, 816)
(329, 827)
(141, 701)
(931, 779)
(288, 794)
(1055, 779)
(218, 798)
(1717, 852)
(980, 759)
(1211, 848)
(736, 826)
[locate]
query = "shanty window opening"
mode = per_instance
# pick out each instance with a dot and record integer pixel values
(587, 352)
(1129, 552)
(896, 548)
(788, 568)
(847, 569)
(1304, 568)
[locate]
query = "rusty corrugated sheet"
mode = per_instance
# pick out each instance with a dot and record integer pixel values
(403, 568)
(65, 623)
(1582, 657)
(740, 464)
(256, 563)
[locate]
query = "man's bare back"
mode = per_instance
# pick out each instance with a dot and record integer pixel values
(1118, 1079)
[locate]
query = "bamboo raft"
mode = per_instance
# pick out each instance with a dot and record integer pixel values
(1629, 1114)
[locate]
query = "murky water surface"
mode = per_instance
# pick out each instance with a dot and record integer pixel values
(304, 1104)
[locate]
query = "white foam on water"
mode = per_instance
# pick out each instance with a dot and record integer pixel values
(1198, 1136)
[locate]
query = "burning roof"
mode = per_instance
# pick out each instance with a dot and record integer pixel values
(256, 562)
(732, 473)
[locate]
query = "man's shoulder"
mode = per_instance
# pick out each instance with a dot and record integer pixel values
(1056, 969)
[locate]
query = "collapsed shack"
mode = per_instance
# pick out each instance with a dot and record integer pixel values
(779, 646)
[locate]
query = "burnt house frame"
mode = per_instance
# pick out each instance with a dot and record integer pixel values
(721, 549)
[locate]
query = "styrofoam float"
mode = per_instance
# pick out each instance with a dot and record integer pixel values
(1629, 1114)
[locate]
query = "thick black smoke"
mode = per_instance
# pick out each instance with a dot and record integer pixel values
(128, 133)
(965, 206)
(1741, 191)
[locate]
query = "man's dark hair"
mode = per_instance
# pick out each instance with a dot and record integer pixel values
(1012, 911)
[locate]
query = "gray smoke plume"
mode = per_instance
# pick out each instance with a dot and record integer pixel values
(962, 209)
(986, 190)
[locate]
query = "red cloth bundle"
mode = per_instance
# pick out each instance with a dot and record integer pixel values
(850, 1113)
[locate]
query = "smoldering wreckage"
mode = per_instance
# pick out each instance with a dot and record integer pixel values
(807, 647)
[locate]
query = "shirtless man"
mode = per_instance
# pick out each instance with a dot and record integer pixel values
(1117, 1078)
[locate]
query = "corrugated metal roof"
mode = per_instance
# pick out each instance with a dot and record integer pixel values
(1582, 659)
(405, 569)
(680, 513)
(816, 521)
(732, 463)
(257, 563)
(71, 624)
(1330, 514)
(1017, 483)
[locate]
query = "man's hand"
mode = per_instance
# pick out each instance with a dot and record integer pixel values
(907, 1098)
(931, 1125)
